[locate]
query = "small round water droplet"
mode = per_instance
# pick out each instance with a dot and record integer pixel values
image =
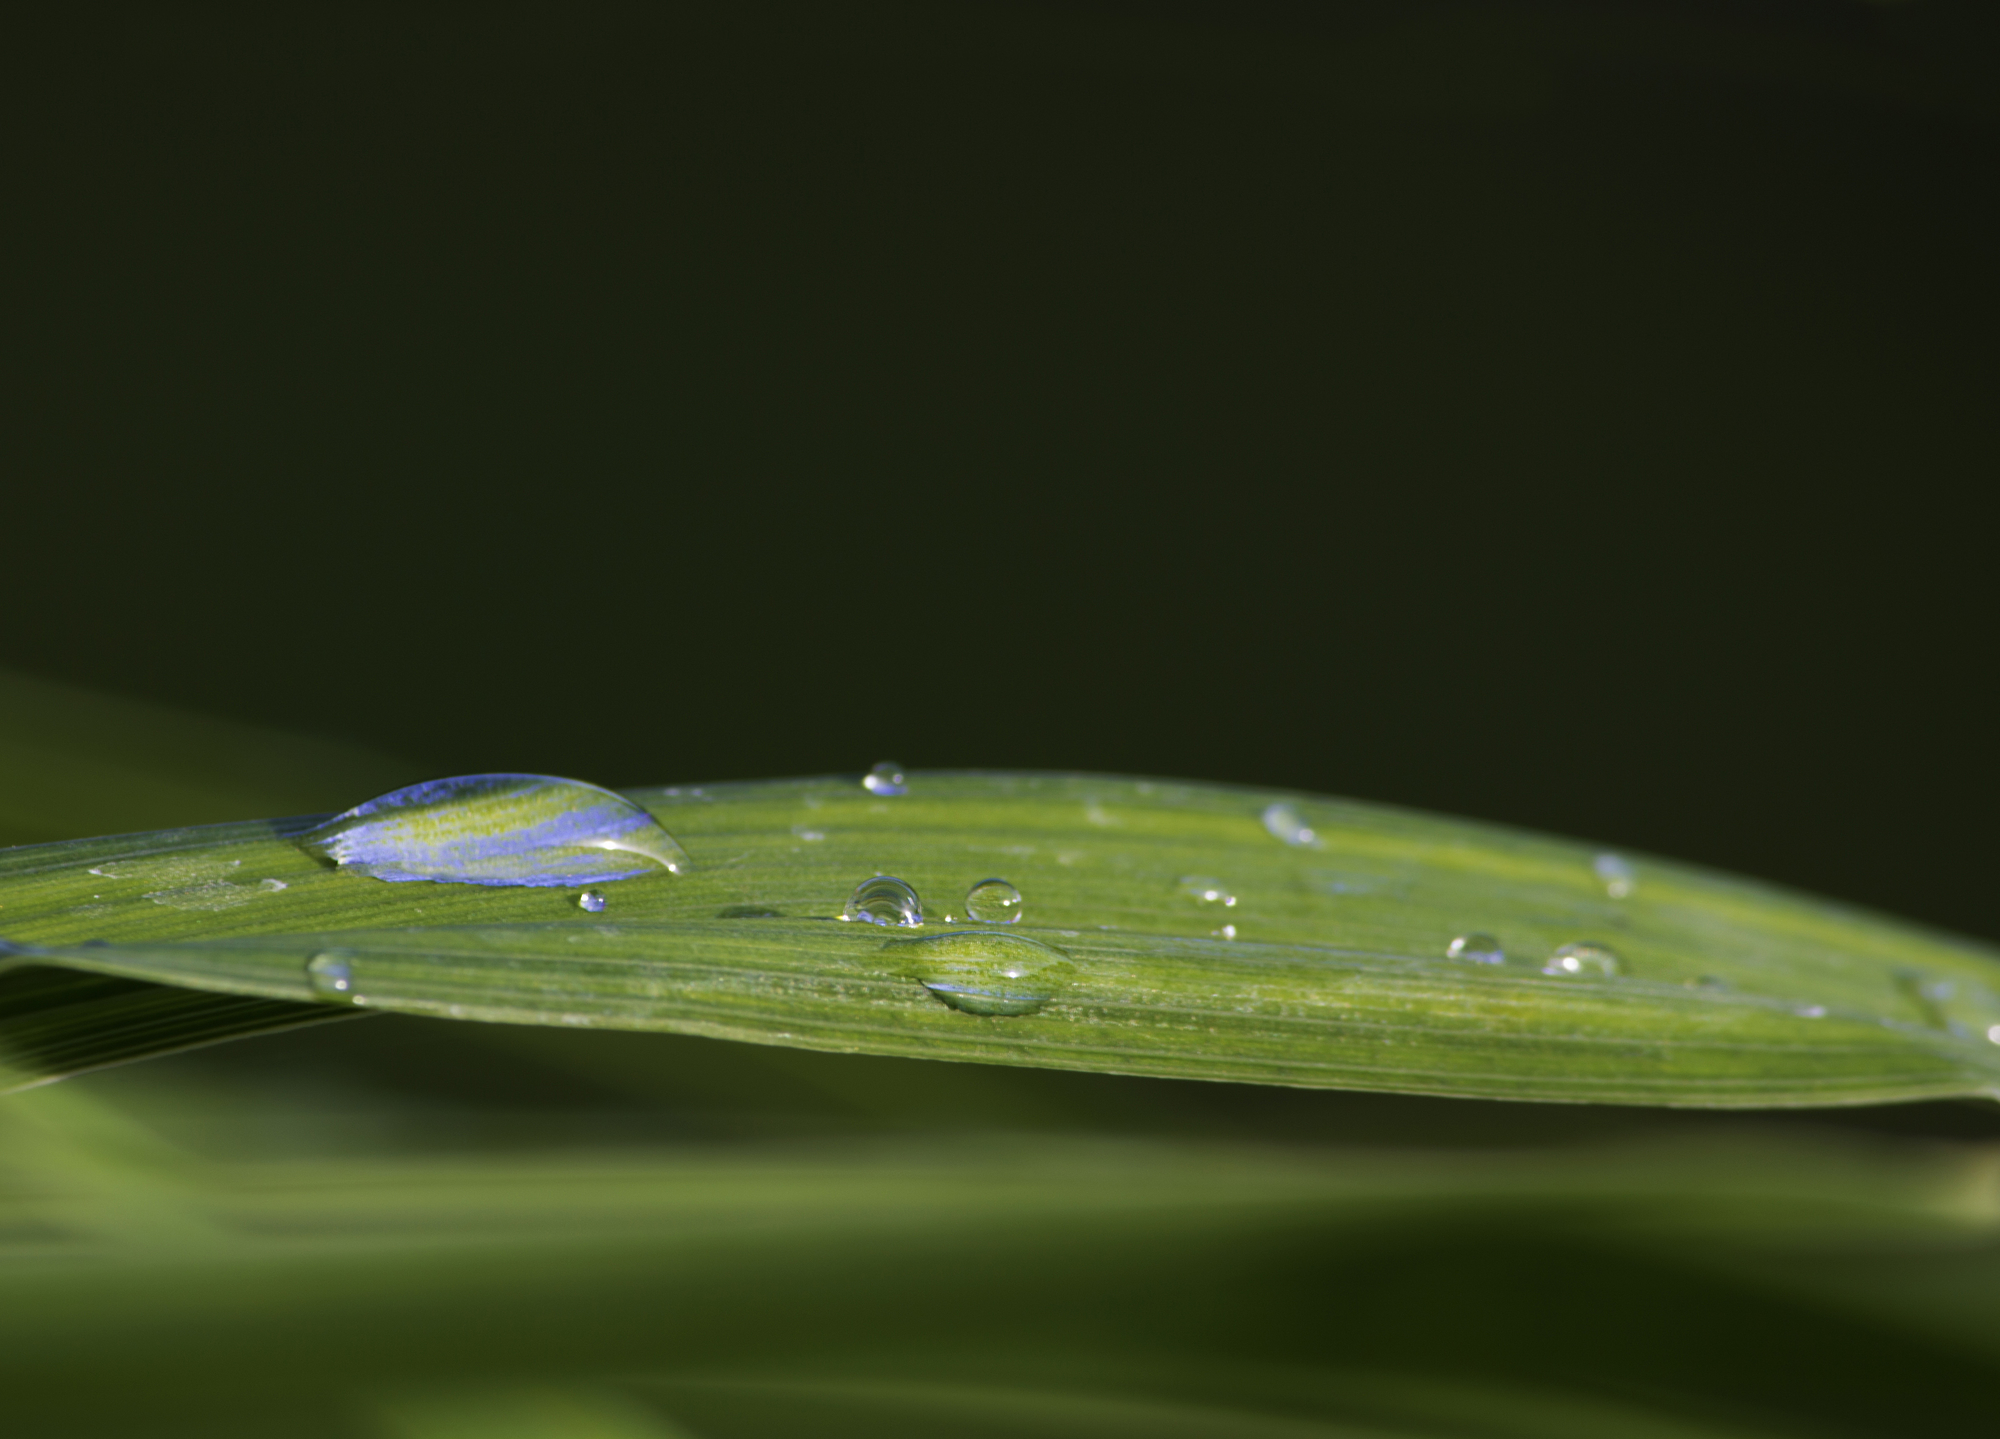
(885, 900)
(1582, 961)
(1228, 931)
(1479, 947)
(980, 972)
(1204, 890)
(885, 778)
(592, 900)
(1811, 1011)
(331, 974)
(1994, 1034)
(1282, 820)
(992, 901)
(1620, 879)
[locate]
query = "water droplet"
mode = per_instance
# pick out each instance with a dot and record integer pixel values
(1478, 947)
(592, 900)
(992, 901)
(1282, 820)
(885, 778)
(1204, 890)
(980, 972)
(331, 974)
(809, 835)
(885, 900)
(499, 829)
(1811, 1011)
(1960, 1006)
(1620, 879)
(1994, 1034)
(1574, 960)
(1228, 931)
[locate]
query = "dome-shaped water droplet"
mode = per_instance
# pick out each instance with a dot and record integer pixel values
(992, 901)
(1228, 931)
(885, 778)
(884, 900)
(980, 972)
(1620, 879)
(592, 900)
(1283, 821)
(1479, 947)
(331, 974)
(1587, 961)
(1205, 890)
(499, 829)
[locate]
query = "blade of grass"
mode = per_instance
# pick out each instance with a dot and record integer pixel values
(1200, 944)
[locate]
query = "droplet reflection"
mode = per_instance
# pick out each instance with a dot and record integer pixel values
(885, 778)
(1479, 947)
(1583, 961)
(884, 900)
(993, 901)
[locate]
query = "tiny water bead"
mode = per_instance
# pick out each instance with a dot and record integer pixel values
(1228, 931)
(982, 973)
(1479, 947)
(591, 900)
(885, 900)
(499, 829)
(992, 901)
(331, 974)
(1619, 878)
(885, 778)
(1283, 821)
(1582, 961)
(1204, 890)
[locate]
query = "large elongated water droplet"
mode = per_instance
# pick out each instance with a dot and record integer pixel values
(885, 778)
(885, 900)
(993, 901)
(499, 829)
(979, 972)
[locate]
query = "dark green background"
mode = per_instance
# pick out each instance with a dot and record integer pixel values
(1571, 415)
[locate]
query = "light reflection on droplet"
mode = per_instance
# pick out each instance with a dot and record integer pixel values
(885, 778)
(1203, 889)
(591, 900)
(993, 901)
(1620, 879)
(984, 973)
(1582, 961)
(1479, 947)
(1228, 931)
(1283, 821)
(331, 974)
(884, 900)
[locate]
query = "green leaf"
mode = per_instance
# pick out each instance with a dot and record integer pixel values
(1193, 931)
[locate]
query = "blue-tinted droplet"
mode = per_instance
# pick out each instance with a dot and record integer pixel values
(980, 972)
(499, 829)
(331, 974)
(1478, 947)
(993, 901)
(591, 900)
(1283, 821)
(884, 900)
(1582, 961)
(885, 778)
